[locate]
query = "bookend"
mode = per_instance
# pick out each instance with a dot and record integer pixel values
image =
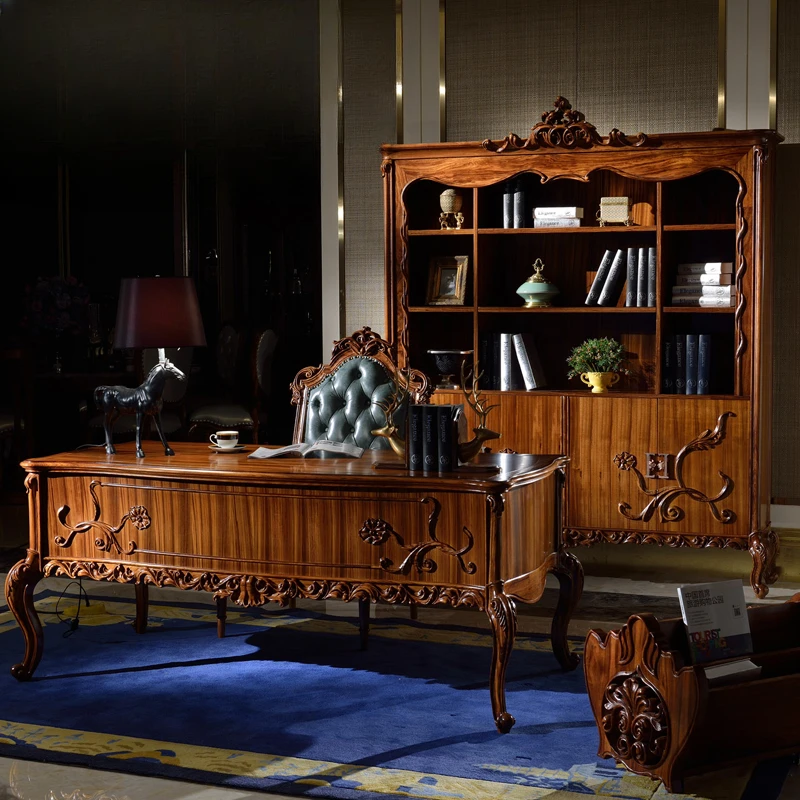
(660, 716)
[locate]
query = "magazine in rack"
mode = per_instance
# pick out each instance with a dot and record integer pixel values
(310, 450)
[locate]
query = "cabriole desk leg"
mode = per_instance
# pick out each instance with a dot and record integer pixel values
(20, 583)
(142, 606)
(503, 618)
(569, 572)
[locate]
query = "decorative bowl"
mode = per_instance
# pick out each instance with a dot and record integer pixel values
(449, 363)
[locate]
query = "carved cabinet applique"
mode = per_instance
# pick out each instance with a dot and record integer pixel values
(668, 467)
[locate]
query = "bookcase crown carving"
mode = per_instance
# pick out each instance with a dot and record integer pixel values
(565, 127)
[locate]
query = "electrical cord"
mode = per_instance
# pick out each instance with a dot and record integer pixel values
(72, 622)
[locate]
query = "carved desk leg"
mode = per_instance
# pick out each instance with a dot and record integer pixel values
(569, 572)
(20, 583)
(222, 614)
(503, 618)
(764, 548)
(142, 604)
(363, 621)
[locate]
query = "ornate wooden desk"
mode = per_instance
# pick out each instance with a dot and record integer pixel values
(252, 531)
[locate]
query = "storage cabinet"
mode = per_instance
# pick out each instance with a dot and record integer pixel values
(647, 466)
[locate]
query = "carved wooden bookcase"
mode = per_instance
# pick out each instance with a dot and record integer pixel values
(646, 467)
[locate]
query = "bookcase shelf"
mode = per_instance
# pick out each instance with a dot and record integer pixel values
(686, 196)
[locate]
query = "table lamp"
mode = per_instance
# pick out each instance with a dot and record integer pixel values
(152, 312)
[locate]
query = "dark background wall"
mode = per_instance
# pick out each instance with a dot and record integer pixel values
(164, 137)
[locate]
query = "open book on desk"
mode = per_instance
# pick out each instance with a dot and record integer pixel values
(309, 450)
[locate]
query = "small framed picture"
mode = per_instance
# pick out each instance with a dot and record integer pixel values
(447, 280)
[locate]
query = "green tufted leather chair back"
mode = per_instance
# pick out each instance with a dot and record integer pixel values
(340, 401)
(344, 407)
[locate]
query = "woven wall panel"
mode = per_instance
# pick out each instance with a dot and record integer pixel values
(368, 92)
(648, 66)
(786, 347)
(788, 73)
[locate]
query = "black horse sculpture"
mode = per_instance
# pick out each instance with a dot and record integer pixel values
(144, 400)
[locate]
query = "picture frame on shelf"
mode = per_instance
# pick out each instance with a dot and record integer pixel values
(447, 280)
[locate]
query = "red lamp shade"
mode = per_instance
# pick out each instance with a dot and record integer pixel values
(158, 312)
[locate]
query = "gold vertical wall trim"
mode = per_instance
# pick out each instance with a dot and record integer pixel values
(722, 55)
(340, 165)
(442, 75)
(773, 64)
(398, 50)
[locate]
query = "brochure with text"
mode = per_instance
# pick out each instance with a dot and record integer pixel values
(310, 450)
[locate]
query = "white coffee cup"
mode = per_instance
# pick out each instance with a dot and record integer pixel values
(225, 439)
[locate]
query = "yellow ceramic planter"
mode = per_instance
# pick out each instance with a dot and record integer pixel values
(599, 381)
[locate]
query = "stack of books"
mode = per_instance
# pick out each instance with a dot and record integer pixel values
(510, 361)
(634, 269)
(433, 437)
(514, 203)
(687, 364)
(557, 216)
(707, 284)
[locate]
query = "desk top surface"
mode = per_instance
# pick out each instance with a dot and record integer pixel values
(195, 462)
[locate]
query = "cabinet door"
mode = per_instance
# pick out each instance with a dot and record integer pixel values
(605, 432)
(527, 423)
(709, 441)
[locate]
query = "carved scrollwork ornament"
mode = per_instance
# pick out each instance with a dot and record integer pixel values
(635, 720)
(567, 128)
(249, 590)
(573, 537)
(106, 539)
(662, 499)
(378, 531)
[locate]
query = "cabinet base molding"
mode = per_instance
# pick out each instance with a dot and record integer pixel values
(763, 546)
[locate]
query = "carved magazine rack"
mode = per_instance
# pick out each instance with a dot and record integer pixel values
(659, 715)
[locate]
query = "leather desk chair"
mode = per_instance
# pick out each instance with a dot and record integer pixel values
(340, 400)
(16, 409)
(226, 411)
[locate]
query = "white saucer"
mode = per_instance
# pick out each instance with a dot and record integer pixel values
(237, 449)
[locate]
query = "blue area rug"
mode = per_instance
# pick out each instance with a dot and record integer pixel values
(287, 703)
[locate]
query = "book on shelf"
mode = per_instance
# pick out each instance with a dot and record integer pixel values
(430, 439)
(519, 204)
(600, 278)
(703, 302)
(612, 287)
(561, 212)
(651, 277)
(679, 365)
(485, 366)
(706, 267)
(557, 222)
(510, 371)
(716, 620)
(704, 279)
(495, 361)
(695, 290)
(447, 420)
(668, 367)
(703, 363)
(641, 278)
(529, 363)
(414, 447)
(508, 204)
(630, 280)
(691, 363)
(309, 450)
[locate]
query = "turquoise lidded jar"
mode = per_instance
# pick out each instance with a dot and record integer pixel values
(537, 292)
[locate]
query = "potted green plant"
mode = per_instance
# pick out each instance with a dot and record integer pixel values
(598, 363)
